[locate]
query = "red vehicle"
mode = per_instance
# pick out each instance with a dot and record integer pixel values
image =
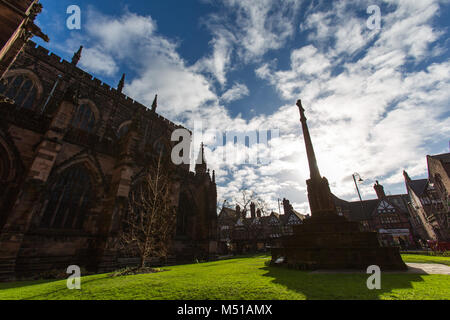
(438, 246)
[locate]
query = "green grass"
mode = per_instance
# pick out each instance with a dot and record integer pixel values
(240, 278)
(416, 258)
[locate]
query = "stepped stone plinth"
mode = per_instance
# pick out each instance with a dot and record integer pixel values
(332, 242)
(327, 240)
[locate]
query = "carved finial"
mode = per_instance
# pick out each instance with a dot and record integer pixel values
(121, 83)
(155, 103)
(200, 166)
(77, 56)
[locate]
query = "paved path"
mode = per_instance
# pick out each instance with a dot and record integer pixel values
(428, 268)
(413, 268)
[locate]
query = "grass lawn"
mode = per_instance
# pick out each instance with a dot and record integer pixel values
(417, 258)
(240, 278)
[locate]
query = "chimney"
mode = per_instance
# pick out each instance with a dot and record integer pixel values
(258, 213)
(252, 210)
(379, 189)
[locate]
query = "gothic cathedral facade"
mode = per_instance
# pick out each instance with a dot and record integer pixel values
(71, 150)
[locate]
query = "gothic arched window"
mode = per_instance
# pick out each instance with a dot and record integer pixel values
(185, 206)
(123, 130)
(84, 119)
(69, 199)
(4, 170)
(21, 89)
(160, 148)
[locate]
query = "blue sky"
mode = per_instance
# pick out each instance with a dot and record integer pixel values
(377, 100)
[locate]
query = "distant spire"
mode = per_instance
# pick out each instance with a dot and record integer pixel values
(121, 83)
(155, 103)
(77, 56)
(200, 166)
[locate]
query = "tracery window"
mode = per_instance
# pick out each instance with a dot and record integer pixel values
(123, 131)
(185, 206)
(21, 89)
(4, 170)
(84, 119)
(69, 199)
(160, 147)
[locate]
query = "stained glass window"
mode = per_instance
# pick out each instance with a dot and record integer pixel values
(159, 147)
(123, 131)
(84, 119)
(20, 89)
(69, 199)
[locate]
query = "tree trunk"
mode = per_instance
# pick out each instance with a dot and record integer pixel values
(142, 262)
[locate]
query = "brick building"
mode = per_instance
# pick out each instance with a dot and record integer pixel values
(387, 215)
(429, 200)
(241, 233)
(71, 149)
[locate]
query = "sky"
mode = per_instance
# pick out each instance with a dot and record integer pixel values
(377, 99)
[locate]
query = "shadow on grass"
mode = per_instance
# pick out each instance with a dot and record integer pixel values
(348, 286)
(63, 288)
(25, 283)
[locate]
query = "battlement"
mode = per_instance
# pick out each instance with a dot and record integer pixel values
(65, 66)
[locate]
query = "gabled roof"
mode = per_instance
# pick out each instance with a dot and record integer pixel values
(228, 213)
(362, 211)
(418, 186)
(445, 157)
(400, 201)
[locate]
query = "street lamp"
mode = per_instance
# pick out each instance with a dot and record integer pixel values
(357, 175)
(360, 180)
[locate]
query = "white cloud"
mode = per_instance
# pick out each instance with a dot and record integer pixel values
(98, 62)
(249, 29)
(374, 117)
(367, 111)
(238, 91)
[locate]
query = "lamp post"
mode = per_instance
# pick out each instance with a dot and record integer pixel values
(358, 176)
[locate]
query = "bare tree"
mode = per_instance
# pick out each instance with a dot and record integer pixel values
(247, 197)
(149, 223)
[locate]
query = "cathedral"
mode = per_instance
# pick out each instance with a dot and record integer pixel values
(71, 150)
